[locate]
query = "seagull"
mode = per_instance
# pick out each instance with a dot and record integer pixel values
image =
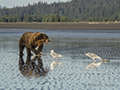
(55, 55)
(53, 64)
(94, 56)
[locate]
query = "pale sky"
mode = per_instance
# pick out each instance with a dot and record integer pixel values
(12, 3)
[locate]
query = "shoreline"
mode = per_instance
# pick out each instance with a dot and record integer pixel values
(63, 25)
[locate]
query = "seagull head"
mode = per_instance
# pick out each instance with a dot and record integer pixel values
(52, 51)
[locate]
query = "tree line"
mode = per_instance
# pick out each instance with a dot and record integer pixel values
(50, 18)
(36, 18)
(83, 10)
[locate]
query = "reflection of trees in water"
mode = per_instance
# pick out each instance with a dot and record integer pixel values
(31, 68)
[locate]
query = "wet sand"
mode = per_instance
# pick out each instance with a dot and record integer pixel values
(65, 25)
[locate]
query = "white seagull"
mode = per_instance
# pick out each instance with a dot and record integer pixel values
(54, 55)
(94, 56)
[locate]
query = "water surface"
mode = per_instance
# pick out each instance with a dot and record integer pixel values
(71, 74)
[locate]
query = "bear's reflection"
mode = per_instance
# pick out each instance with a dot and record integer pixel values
(32, 67)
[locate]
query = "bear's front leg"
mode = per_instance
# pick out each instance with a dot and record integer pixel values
(39, 49)
(21, 48)
(34, 50)
(28, 51)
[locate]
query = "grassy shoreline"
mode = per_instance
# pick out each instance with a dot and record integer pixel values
(63, 25)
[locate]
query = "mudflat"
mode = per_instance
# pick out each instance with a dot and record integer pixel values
(63, 25)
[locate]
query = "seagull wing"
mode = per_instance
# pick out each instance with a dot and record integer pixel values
(96, 56)
(93, 56)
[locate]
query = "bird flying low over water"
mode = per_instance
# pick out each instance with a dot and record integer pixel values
(94, 56)
(54, 55)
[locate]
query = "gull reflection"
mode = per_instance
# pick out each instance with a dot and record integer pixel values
(32, 67)
(54, 64)
(93, 65)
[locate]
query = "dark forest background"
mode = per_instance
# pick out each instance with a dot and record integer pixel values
(73, 11)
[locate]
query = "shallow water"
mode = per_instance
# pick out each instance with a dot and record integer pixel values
(72, 74)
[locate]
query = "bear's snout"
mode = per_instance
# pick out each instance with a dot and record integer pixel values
(46, 41)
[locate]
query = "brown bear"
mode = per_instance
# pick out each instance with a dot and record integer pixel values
(32, 40)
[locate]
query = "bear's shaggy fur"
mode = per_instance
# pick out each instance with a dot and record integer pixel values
(32, 40)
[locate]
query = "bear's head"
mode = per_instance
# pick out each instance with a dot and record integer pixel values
(45, 38)
(38, 36)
